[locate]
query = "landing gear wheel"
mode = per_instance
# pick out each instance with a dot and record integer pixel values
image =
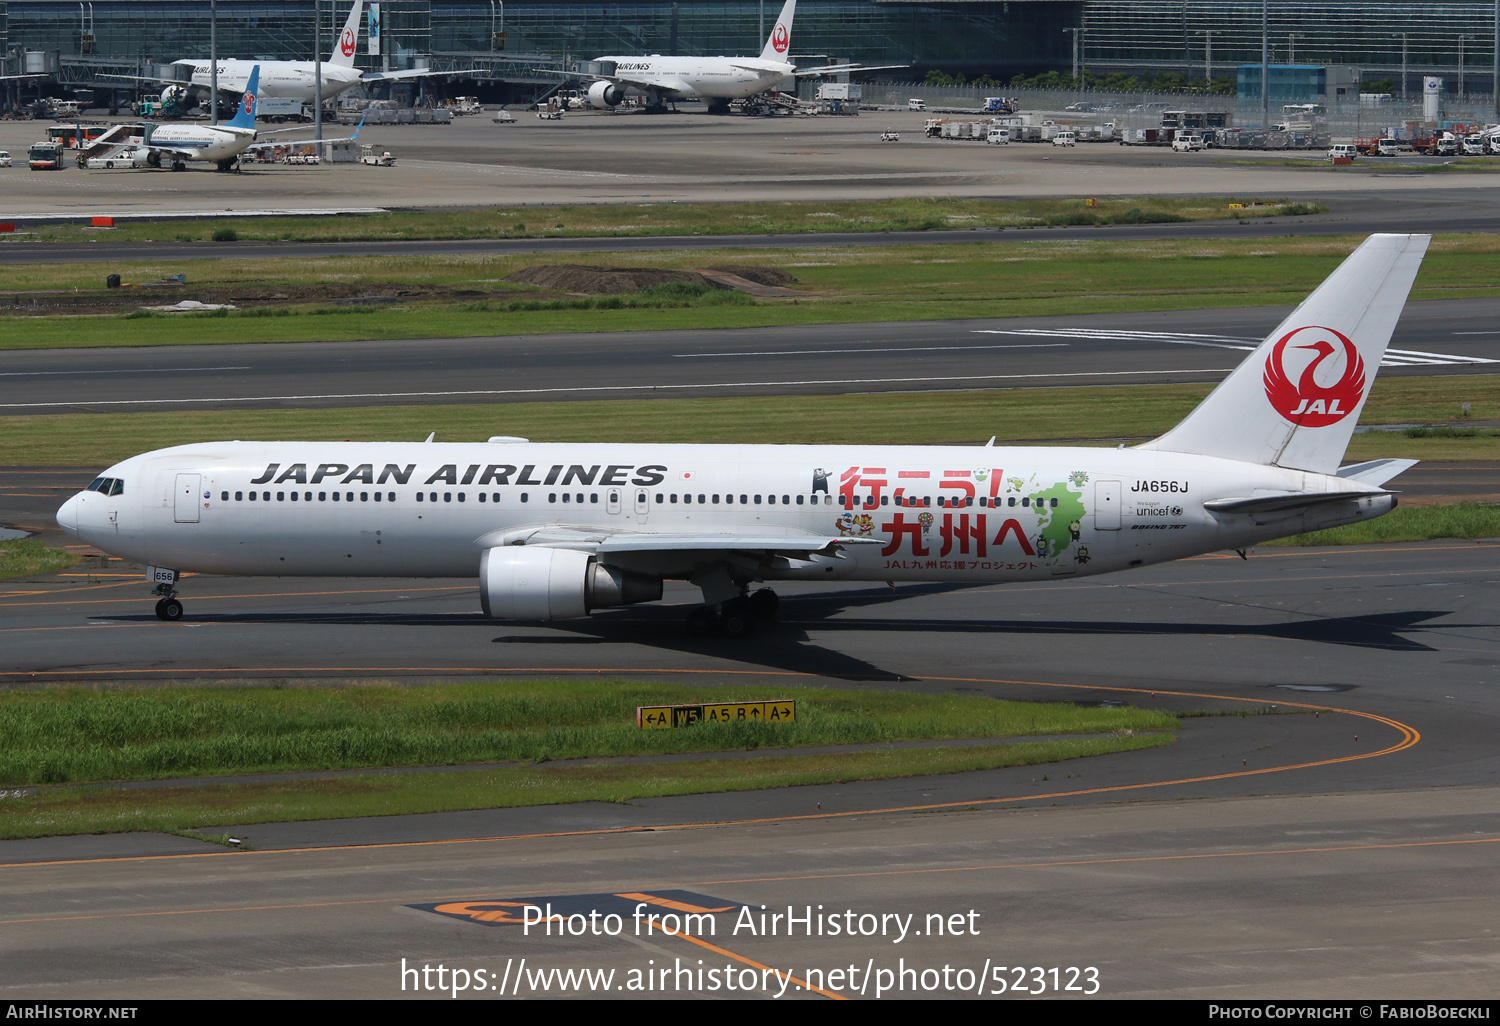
(764, 604)
(736, 620)
(178, 165)
(169, 609)
(700, 622)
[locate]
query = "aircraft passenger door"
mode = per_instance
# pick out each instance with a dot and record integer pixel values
(186, 508)
(612, 500)
(1107, 505)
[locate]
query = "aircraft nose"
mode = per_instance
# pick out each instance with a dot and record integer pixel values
(67, 516)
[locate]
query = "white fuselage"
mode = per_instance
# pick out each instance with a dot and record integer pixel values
(202, 142)
(287, 79)
(728, 78)
(400, 509)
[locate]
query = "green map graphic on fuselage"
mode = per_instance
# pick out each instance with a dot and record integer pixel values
(1055, 531)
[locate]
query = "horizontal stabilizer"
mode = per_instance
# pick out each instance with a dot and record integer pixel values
(1376, 472)
(1277, 502)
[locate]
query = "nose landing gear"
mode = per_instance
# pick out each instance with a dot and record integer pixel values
(167, 606)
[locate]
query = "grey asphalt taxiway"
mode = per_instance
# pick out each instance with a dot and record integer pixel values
(1449, 338)
(1340, 844)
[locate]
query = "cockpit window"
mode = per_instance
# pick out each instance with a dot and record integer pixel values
(97, 484)
(117, 486)
(107, 485)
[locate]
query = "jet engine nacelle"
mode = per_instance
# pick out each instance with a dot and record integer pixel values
(173, 94)
(605, 94)
(144, 157)
(517, 582)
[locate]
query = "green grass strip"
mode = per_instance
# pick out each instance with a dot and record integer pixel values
(652, 219)
(1410, 523)
(1015, 416)
(26, 557)
(847, 285)
(102, 810)
(76, 734)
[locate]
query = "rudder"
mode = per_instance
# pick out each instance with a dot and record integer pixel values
(1295, 400)
(779, 43)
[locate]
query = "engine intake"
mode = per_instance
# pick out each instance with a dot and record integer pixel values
(605, 94)
(539, 583)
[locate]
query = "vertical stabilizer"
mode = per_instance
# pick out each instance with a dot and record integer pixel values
(348, 40)
(245, 116)
(779, 42)
(1295, 400)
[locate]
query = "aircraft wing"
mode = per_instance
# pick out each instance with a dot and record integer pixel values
(174, 152)
(1280, 502)
(294, 142)
(615, 543)
(839, 69)
(791, 546)
(304, 128)
(391, 76)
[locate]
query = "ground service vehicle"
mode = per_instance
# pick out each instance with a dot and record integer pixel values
(916, 104)
(46, 156)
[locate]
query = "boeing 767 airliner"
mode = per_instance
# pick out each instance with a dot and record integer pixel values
(558, 530)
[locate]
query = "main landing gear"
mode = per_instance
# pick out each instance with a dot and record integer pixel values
(734, 618)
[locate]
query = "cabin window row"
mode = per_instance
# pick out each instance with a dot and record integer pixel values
(944, 501)
(308, 497)
(114, 486)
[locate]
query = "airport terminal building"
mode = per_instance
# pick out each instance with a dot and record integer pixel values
(958, 37)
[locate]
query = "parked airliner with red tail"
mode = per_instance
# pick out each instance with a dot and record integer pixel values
(557, 530)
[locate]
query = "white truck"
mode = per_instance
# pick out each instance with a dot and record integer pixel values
(376, 158)
(998, 136)
(1187, 142)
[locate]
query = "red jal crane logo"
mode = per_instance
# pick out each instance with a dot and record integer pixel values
(346, 42)
(1307, 403)
(779, 38)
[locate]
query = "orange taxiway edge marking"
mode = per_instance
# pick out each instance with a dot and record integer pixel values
(204, 598)
(992, 868)
(1408, 737)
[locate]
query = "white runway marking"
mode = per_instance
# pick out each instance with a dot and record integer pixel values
(607, 388)
(907, 349)
(1393, 357)
(122, 370)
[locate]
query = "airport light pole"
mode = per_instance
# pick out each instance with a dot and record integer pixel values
(213, 61)
(1208, 54)
(1402, 36)
(1461, 40)
(318, 75)
(1265, 65)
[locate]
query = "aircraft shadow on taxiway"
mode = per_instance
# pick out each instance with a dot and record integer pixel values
(784, 644)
